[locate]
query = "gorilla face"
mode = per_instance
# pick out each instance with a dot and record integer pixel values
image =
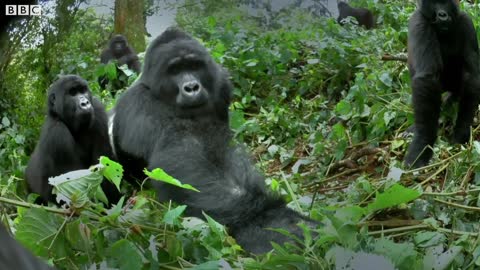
(118, 45)
(69, 99)
(442, 13)
(182, 74)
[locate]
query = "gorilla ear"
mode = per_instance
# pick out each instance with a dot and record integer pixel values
(51, 100)
(51, 104)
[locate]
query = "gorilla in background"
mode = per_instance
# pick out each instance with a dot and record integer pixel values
(119, 50)
(15, 256)
(73, 137)
(363, 16)
(442, 55)
(175, 117)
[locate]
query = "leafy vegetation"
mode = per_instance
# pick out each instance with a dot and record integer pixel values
(322, 113)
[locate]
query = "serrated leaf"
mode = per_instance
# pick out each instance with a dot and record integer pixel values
(436, 259)
(398, 253)
(37, 230)
(78, 235)
(112, 170)
(393, 196)
(160, 175)
(349, 260)
(126, 255)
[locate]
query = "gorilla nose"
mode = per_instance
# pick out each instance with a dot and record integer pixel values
(442, 15)
(191, 88)
(85, 103)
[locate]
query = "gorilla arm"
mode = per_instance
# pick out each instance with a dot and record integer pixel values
(54, 155)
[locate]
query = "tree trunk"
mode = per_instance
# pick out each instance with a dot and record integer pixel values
(129, 22)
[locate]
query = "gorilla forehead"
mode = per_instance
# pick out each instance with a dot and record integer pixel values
(67, 82)
(118, 38)
(161, 54)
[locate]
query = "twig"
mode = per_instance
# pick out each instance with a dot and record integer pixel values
(392, 223)
(66, 212)
(400, 229)
(461, 206)
(454, 193)
(432, 176)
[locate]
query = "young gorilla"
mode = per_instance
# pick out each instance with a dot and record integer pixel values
(442, 55)
(176, 118)
(14, 256)
(73, 137)
(363, 16)
(119, 50)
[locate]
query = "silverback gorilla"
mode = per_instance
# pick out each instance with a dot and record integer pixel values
(176, 118)
(73, 137)
(442, 55)
(14, 256)
(119, 50)
(363, 16)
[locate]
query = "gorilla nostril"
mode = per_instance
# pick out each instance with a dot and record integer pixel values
(196, 87)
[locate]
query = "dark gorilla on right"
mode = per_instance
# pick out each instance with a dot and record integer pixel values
(175, 117)
(443, 55)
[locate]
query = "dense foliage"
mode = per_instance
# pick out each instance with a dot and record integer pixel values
(322, 113)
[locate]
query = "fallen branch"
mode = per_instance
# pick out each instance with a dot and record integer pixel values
(389, 57)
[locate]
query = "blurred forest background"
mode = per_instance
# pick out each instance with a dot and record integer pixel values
(323, 109)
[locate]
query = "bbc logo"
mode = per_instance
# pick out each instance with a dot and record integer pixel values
(23, 10)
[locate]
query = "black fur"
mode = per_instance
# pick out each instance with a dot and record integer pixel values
(119, 50)
(363, 16)
(14, 256)
(158, 125)
(443, 55)
(73, 136)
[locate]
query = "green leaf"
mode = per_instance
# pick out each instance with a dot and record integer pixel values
(112, 170)
(125, 255)
(111, 70)
(393, 196)
(37, 230)
(237, 119)
(160, 175)
(343, 109)
(436, 259)
(429, 239)
(400, 253)
(76, 187)
(172, 217)
(5, 122)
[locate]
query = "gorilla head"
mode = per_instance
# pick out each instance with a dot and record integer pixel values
(440, 13)
(69, 100)
(192, 83)
(118, 46)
